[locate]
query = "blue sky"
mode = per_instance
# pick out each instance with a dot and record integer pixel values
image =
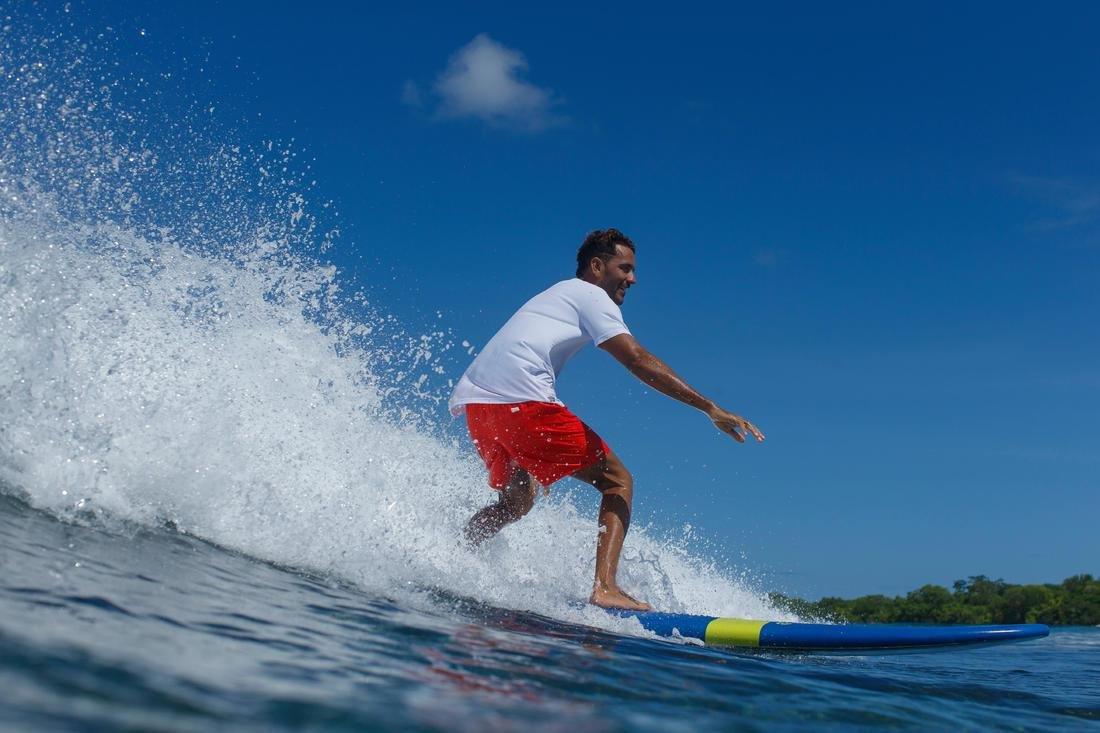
(874, 230)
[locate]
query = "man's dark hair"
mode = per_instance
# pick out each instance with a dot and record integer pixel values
(600, 243)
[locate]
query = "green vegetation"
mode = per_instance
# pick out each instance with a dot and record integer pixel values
(977, 600)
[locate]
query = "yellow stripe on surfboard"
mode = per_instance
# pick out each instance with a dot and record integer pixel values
(734, 632)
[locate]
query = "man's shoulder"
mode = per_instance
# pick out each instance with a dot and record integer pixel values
(570, 298)
(572, 284)
(572, 287)
(564, 290)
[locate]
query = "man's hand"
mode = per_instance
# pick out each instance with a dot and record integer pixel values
(733, 425)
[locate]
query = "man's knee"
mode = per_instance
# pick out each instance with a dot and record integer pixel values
(518, 497)
(613, 477)
(623, 478)
(620, 487)
(518, 506)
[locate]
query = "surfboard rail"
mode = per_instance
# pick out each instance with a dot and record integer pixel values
(797, 636)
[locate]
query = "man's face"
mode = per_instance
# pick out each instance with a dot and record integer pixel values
(617, 274)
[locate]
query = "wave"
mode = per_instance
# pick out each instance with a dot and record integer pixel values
(189, 356)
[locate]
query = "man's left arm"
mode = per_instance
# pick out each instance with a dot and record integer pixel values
(654, 372)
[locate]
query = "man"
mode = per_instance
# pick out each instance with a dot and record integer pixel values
(525, 434)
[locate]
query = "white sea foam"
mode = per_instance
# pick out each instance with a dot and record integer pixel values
(220, 380)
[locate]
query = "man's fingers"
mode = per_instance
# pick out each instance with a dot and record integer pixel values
(748, 427)
(738, 427)
(731, 428)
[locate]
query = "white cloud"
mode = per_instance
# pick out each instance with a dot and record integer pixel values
(483, 80)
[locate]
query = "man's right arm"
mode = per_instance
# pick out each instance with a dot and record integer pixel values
(654, 372)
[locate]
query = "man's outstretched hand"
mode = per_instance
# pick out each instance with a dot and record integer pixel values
(733, 425)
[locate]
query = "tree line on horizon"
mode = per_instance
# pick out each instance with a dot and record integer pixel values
(977, 600)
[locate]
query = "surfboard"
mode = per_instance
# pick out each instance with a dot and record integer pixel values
(734, 632)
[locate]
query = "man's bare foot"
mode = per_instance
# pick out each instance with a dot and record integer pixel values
(605, 597)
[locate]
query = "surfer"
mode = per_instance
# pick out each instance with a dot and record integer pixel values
(525, 434)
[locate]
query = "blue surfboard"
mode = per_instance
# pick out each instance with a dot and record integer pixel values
(715, 631)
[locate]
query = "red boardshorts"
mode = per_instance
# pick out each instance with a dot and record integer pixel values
(543, 438)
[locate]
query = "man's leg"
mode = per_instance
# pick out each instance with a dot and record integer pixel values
(616, 484)
(515, 500)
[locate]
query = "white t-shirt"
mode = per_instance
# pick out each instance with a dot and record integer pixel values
(521, 362)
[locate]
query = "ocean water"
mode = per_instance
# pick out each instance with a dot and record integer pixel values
(227, 499)
(146, 628)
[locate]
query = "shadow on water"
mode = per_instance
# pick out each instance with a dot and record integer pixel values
(111, 625)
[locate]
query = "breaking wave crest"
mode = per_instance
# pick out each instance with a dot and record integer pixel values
(175, 349)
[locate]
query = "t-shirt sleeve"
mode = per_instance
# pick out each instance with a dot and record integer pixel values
(600, 318)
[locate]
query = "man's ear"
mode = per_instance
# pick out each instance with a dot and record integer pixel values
(596, 265)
